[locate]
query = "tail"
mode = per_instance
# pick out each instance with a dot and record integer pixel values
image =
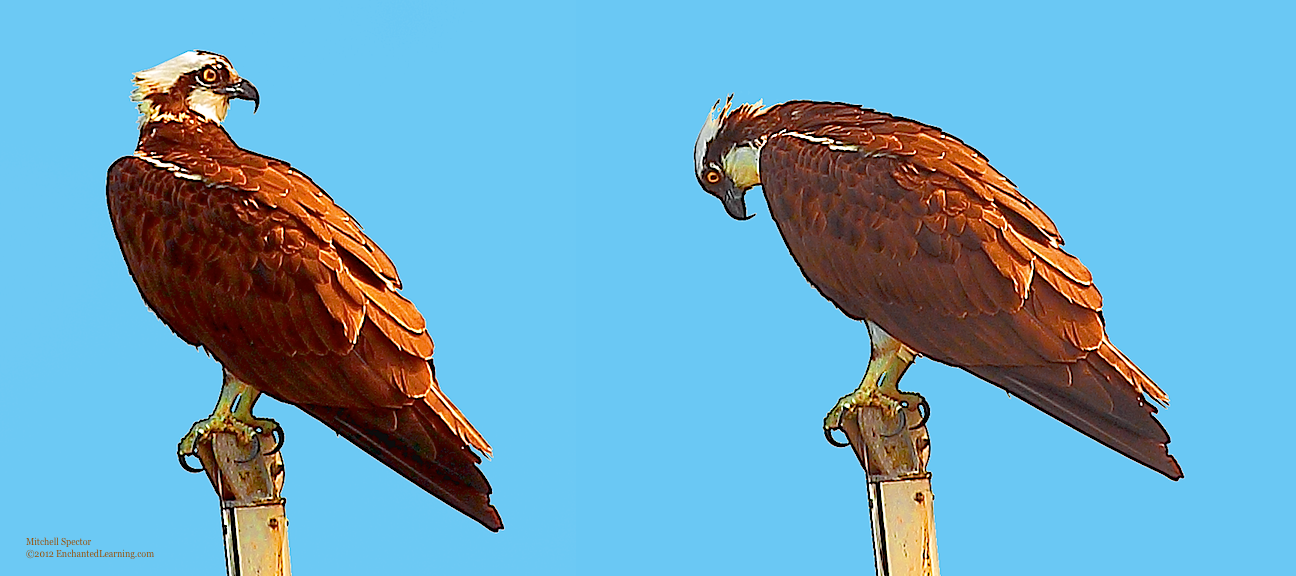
(414, 441)
(1100, 395)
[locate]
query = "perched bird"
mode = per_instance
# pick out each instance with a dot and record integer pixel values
(913, 232)
(245, 256)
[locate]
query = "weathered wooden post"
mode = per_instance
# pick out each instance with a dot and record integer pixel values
(248, 483)
(894, 456)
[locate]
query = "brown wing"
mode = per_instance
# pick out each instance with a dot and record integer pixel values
(249, 259)
(944, 264)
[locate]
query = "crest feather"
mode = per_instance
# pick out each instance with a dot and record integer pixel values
(709, 130)
(713, 124)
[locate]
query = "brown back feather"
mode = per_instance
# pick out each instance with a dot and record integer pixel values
(937, 257)
(247, 257)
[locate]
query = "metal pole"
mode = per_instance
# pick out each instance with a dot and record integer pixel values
(899, 490)
(253, 521)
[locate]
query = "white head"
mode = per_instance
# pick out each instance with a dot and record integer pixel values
(726, 156)
(709, 130)
(195, 82)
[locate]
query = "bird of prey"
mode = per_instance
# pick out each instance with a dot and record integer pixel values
(913, 232)
(245, 256)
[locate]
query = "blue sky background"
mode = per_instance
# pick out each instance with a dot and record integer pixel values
(652, 374)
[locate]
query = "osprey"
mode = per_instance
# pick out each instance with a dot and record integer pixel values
(245, 256)
(913, 232)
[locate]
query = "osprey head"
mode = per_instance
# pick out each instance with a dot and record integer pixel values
(195, 83)
(726, 157)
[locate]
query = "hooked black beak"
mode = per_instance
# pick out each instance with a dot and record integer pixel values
(735, 202)
(243, 90)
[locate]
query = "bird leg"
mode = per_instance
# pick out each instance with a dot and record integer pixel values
(233, 413)
(880, 386)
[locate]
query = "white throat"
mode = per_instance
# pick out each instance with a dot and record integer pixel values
(211, 105)
(161, 78)
(742, 164)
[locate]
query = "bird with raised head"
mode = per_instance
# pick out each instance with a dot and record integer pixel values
(245, 256)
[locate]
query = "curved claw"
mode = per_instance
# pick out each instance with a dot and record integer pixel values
(828, 433)
(904, 421)
(280, 437)
(256, 438)
(925, 410)
(186, 466)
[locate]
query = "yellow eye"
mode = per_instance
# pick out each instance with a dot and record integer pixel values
(711, 176)
(209, 75)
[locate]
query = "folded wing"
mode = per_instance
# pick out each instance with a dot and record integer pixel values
(245, 256)
(913, 230)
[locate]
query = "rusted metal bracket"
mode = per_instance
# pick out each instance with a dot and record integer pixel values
(899, 489)
(252, 511)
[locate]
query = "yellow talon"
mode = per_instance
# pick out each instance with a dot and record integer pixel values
(880, 386)
(233, 413)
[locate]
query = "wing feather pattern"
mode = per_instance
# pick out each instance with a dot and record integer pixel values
(255, 263)
(918, 234)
